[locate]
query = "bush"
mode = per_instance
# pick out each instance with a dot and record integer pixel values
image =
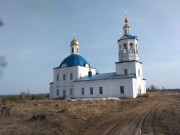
(12, 98)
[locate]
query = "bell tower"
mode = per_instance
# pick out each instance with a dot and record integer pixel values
(128, 44)
(128, 64)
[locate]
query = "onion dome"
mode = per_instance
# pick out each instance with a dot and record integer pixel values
(74, 60)
(74, 42)
(126, 22)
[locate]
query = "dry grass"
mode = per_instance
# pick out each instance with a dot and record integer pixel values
(81, 115)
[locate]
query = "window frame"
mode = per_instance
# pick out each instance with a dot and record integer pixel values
(57, 77)
(101, 90)
(71, 91)
(125, 71)
(57, 92)
(64, 77)
(91, 91)
(82, 91)
(122, 89)
(71, 76)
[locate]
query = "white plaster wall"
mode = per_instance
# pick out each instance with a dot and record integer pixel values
(83, 71)
(111, 88)
(139, 86)
(138, 67)
(77, 71)
(132, 67)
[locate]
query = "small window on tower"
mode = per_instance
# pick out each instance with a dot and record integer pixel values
(125, 31)
(125, 72)
(72, 50)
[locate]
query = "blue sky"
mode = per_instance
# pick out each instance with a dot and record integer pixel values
(36, 38)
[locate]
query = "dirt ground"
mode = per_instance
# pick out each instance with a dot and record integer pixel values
(157, 114)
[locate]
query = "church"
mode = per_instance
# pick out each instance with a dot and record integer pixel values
(75, 78)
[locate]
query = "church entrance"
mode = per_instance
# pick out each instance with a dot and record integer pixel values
(64, 93)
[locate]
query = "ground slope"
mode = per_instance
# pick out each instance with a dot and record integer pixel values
(158, 114)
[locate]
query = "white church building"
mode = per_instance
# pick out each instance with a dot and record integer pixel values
(75, 78)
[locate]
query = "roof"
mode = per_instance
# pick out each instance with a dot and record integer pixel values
(105, 76)
(74, 42)
(73, 60)
(128, 37)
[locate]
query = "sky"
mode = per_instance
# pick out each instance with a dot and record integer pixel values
(36, 37)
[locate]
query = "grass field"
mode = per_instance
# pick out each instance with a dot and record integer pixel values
(158, 113)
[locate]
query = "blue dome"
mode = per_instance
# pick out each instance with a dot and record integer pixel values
(74, 60)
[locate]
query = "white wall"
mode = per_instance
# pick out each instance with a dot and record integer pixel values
(111, 88)
(66, 85)
(133, 67)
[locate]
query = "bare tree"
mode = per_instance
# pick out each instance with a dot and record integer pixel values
(1, 22)
(3, 64)
(153, 87)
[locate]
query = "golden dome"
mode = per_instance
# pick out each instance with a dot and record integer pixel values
(126, 21)
(74, 42)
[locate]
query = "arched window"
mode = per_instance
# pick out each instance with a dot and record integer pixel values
(131, 50)
(125, 48)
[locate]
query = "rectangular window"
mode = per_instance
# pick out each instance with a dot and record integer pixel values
(57, 77)
(72, 50)
(57, 92)
(122, 89)
(71, 76)
(100, 90)
(64, 77)
(82, 91)
(71, 91)
(125, 72)
(91, 90)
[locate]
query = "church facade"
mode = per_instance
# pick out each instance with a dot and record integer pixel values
(75, 78)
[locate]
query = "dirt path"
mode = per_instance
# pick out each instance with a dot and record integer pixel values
(135, 121)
